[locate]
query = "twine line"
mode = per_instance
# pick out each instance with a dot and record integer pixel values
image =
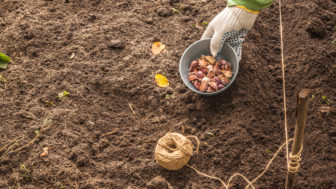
(283, 83)
(250, 183)
(293, 161)
(197, 140)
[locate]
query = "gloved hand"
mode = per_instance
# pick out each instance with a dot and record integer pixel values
(229, 26)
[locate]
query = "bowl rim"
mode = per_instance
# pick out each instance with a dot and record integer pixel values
(205, 93)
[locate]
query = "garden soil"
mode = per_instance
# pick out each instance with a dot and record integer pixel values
(103, 134)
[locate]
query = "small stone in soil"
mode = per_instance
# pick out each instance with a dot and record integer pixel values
(185, 18)
(90, 124)
(127, 58)
(157, 183)
(116, 44)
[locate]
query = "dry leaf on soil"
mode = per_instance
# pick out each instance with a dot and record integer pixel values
(157, 47)
(161, 80)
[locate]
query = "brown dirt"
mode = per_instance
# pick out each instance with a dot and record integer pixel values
(105, 78)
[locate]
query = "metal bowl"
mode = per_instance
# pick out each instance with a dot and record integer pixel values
(202, 47)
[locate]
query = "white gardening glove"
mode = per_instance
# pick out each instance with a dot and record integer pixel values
(230, 26)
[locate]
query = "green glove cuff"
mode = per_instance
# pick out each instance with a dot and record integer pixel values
(253, 5)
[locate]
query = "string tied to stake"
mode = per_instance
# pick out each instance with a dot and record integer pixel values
(294, 162)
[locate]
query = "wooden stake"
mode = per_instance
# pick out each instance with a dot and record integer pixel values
(301, 116)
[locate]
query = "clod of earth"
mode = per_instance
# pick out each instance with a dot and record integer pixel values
(164, 12)
(157, 183)
(185, 18)
(208, 75)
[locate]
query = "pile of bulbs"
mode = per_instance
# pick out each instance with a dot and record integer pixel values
(208, 75)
